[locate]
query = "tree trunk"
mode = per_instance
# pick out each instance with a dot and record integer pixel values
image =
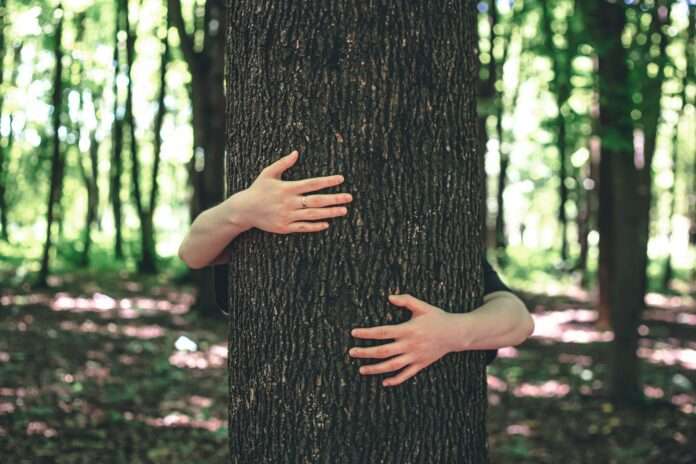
(504, 156)
(4, 148)
(561, 87)
(208, 109)
(486, 103)
(386, 97)
(57, 161)
(116, 170)
(91, 180)
(652, 96)
(621, 201)
(691, 77)
(148, 244)
(146, 262)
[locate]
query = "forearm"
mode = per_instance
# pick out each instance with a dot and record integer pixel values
(503, 320)
(211, 232)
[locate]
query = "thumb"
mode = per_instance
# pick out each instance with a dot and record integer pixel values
(409, 302)
(276, 169)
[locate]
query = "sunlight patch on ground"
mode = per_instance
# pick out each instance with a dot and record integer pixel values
(548, 389)
(145, 332)
(6, 408)
(176, 419)
(685, 402)
(678, 317)
(40, 428)
(20, 392)
(519, 429)
(669, 301)
(215, 356)
(665, 354)
(558, 325)
(508, 352)
(23, 300)
(127, 308)
(496, 383)
(575, 359)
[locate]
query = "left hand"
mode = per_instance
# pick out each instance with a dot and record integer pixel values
(419, 342)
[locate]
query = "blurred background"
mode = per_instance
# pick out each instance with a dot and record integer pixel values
(111, 140)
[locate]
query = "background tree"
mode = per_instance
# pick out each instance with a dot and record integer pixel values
(203, 51)
(57, 160)
(116, 171)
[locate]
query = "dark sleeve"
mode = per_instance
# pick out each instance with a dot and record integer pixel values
(491, 283)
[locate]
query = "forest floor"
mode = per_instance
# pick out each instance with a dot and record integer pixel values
(114, 368)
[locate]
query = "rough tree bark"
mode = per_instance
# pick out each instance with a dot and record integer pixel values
(384, 95)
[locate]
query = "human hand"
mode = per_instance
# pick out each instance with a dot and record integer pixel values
(418, 342)
(279, 206)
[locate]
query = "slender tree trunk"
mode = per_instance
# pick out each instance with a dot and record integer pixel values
(652, 96)
(668, 272)
(149, 211)
(560, 87)
(90, 179)
(486, 103)
(4, 148)
(208, 109)
(691, 77)
(57, 161)
(116, 170)
(146, 263)
(504, 156)
(601, 170)
(386, 97)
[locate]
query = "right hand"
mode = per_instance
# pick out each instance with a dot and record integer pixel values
(275, 205)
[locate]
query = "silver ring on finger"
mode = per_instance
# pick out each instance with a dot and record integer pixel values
(304, 205)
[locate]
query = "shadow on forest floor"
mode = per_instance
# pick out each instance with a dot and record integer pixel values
(94, 370)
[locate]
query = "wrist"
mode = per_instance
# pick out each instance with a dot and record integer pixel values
(236, 211)
(461, 330)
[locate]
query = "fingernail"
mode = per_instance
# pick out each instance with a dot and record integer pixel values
(344, 210)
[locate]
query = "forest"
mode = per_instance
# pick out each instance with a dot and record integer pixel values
(114, 138)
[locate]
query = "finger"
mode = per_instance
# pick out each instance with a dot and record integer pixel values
(386, 366)
(409, 302)
(319, 201)
(378, 352)
(307, 226)
(311, 214)
(315, 183)
(276, 169)
(402, 376)
(379, 333)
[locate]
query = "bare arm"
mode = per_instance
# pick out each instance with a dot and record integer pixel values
(206, 241)
(270, 204)
(502, 320)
